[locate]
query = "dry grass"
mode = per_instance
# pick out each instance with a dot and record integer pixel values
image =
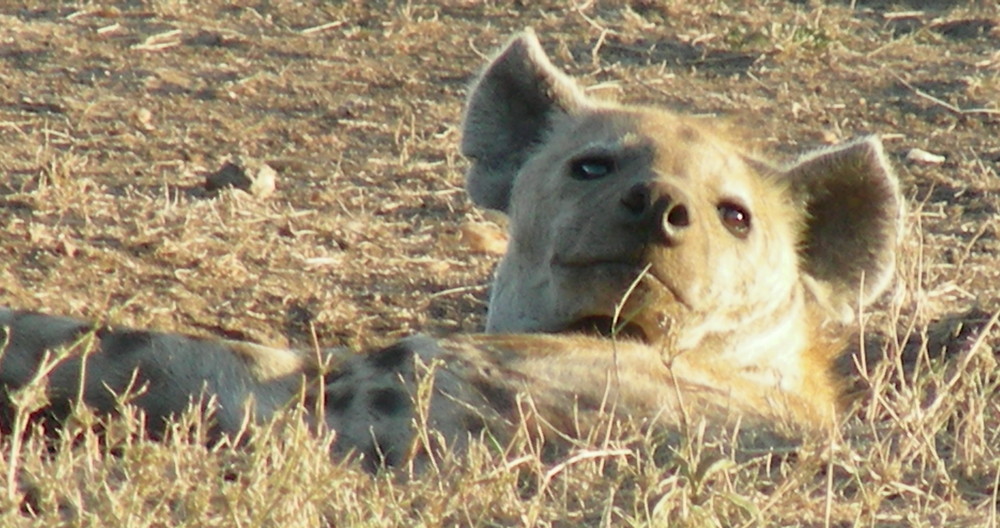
(112, 113)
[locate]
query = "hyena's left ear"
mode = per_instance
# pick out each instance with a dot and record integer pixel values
(853, 211)
(510, 110)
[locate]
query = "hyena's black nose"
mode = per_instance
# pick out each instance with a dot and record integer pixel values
(659, 207)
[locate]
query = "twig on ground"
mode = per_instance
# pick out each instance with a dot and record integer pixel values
(944, 104)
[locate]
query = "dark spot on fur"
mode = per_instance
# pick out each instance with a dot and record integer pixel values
(588, 402)
(81, 331)
(340, 373)
(390, 358)
(473, 423)
(123, 342)
(500, 398)
(388, 402)
(338, 400)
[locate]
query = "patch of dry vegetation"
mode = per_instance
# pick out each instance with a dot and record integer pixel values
(112, 115)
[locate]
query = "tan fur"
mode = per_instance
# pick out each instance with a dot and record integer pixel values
(266, 363)
(714, 288)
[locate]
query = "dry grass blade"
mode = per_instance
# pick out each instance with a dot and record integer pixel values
(944, 104)
(160, 41)
(323, 27)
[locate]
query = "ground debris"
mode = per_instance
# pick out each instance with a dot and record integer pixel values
(234, 175)
(922, 157)
(230, 175)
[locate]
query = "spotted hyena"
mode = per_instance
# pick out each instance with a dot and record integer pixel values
(655, 267)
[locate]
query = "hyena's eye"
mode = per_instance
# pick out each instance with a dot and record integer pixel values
(736, 218)
(591, 167)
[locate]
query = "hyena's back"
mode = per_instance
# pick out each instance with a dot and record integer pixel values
(460, 387)
(161, 374)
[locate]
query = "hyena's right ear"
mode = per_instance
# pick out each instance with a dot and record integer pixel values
(509, 112)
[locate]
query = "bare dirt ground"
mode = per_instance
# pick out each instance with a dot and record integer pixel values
(113, 114)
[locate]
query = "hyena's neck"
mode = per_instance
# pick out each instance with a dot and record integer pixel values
(779, 345)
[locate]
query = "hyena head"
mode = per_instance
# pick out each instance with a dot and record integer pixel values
(662, 224)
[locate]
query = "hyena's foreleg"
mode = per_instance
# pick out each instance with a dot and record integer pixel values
(161, 374)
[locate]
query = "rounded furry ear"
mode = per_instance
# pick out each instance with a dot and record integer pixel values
(853, 212)
(509, 111)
